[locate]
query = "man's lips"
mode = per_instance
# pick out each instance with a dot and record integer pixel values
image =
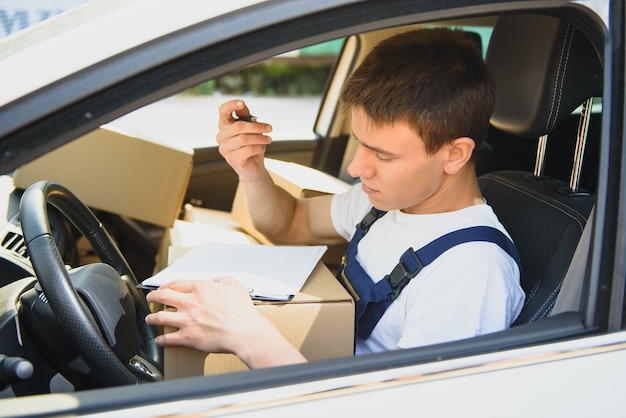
(367, 189)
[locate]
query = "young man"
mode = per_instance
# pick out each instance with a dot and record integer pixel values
(420, 105)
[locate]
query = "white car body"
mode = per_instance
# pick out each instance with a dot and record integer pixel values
(579, 375)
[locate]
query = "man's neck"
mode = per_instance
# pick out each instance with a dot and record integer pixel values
(458, 192)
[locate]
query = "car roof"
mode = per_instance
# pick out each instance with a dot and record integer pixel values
(88, 34)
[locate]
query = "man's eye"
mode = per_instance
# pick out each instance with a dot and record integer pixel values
(383, 157)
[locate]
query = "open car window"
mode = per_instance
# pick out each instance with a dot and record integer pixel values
(286, 90)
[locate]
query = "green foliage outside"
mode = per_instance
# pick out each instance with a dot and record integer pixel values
(302, 75)
(274, 78)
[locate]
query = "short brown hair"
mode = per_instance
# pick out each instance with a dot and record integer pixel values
(434, 79)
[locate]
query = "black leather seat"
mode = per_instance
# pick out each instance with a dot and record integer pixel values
(542, 76)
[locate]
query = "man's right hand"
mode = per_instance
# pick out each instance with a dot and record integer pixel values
(277, 214)
(241, 143)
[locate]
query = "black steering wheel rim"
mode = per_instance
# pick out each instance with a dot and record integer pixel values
(55, 282)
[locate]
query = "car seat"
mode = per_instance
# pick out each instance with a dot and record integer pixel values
(542, 76)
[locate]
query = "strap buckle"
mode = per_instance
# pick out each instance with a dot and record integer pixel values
(372, 216)
(407, 268)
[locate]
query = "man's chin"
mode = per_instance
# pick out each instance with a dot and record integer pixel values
(380, 204)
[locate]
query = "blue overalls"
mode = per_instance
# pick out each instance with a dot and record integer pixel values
(372, 299)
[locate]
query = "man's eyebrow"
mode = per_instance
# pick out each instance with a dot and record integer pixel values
(375, 149)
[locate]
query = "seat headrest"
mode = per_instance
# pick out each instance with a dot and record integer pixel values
(544, 69)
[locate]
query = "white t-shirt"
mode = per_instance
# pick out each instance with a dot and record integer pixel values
(469, 290)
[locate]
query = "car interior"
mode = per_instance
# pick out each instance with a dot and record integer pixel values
(539, 171)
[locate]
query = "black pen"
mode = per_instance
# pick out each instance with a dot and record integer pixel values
(248, 118)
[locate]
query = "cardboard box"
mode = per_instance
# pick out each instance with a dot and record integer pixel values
(319, 321)
(119, 173)
(299, 181)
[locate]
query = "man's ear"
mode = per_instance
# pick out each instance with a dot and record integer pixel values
(459, 154)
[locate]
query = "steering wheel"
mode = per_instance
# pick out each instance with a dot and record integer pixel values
(87, 322)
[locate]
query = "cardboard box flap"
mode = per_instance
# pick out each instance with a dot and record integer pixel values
(317, 291)
(302, 180)
(119, 173)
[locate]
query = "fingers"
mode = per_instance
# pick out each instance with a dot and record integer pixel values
(165, 318)
(207, 313)
(175, 339)
(229, 127)
(173, 294)
(170, 319)
(227, 112)
(170, 294)
(241, 143)
(246, 144)
(175, 291)
(240, 134)
(179, 336)
(230, 280)
(171, 339)
(185, 286)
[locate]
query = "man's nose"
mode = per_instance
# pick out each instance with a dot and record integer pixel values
(359, 167)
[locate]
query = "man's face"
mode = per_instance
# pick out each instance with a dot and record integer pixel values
(394, 168)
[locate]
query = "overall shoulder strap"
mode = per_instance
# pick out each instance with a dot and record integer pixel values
(368, 220)
(362, 228)
(411, 262)
(373, 298)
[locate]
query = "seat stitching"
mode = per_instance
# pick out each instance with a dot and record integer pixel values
(542, 313)
(533, 291)
(560, 76)
(549, 300)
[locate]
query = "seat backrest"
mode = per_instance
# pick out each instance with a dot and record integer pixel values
(542, 76)
(545, 226)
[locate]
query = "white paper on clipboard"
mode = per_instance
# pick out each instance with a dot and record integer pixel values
(270, 272)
